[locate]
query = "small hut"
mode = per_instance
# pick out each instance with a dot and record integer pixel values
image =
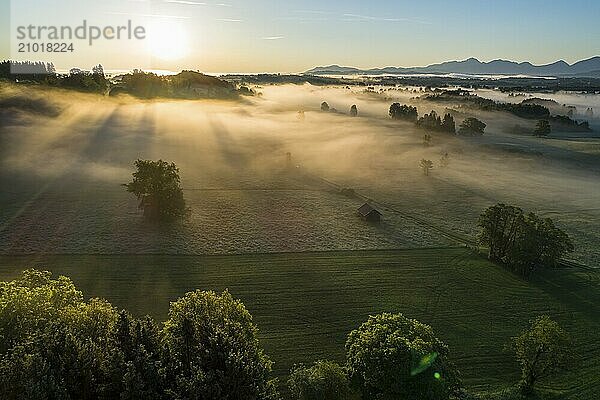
(369, 214)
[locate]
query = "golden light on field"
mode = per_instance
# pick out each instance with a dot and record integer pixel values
(168, 40)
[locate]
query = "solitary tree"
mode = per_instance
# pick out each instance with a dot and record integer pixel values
(426, 166)
(324, 106)
(542, 128)
(156, 184)
(403, 112)
(394, 357)
(543, 349)
(472, 127)
(324, 380)
(353, 111)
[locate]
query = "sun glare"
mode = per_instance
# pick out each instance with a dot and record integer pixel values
(167, 40)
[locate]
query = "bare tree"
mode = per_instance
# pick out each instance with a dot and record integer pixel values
(426, 166)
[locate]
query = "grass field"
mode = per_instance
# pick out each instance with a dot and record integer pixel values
(61, 176)
(306, 303)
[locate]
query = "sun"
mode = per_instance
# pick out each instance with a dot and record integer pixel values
(167, 40)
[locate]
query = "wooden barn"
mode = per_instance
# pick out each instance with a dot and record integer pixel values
(368, 213)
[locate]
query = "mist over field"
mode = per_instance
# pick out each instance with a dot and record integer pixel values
(64, 159)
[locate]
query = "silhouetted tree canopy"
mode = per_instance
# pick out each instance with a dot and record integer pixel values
(471, 127)
(563, 122)
(542, 128)
(156, 184)
(186, 85)
(470, 100)
(522, 241)
(403, 112)
(430, 121)
(448, 124)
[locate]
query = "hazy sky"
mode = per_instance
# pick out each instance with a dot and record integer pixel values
(294, 35)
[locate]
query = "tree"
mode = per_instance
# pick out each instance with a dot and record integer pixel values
(589, 112)
(214, 349)
(403, 112)
(542, 128)
(538, 243)
(53, 344)
(427, 140)
(98, 70)
(56, 345)
(430, 121)
(445, 160)
(542, 350)
(500, 225)
(156, 184)
(448, 124)
(353, 111)
(522, 241)
(426, 166)
(472, 127)
(394, 357)
(324, 380)
(324, 106)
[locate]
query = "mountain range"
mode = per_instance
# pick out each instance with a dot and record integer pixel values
(472, 66)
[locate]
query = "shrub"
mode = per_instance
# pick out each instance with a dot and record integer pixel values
(324, 380)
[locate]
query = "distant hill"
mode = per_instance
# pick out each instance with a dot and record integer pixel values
(473, 66)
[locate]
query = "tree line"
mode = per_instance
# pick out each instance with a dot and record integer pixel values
(45, 73)
(468, 99)
(56, 345)
(186, 84)
(433, 122)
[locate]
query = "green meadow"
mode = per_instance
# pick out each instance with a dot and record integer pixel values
(306, 303)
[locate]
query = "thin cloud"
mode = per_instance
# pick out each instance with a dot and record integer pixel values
(358, 17)
(229, 20)
(187, 2)
(273, 37)
(149, 15)
(313, 12)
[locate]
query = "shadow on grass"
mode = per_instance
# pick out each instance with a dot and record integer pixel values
(514, 393)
